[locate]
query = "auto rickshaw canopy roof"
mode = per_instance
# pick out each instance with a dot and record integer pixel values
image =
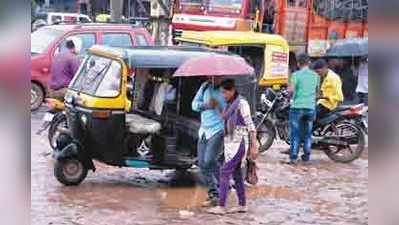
(223, 38)
(156, 56)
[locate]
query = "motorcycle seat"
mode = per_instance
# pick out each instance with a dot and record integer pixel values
(341, 108)
(138, 124)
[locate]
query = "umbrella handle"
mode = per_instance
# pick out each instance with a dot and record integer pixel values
(213, 82)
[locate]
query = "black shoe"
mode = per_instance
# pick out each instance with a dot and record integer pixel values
(291, 162)
(305, 158)
(286, 152)
(211, 201)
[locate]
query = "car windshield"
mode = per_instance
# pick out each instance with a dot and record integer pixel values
(235, 4)
(98, 76)
(42, 38)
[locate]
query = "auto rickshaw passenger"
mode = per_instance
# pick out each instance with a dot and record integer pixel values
(154, 91)
(331, 88)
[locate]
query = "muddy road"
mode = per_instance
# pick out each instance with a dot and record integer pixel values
(321, 193)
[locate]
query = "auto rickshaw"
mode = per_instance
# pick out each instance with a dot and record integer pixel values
(267, 53)
(115, 117)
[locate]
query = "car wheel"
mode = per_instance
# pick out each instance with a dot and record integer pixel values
(36, 96)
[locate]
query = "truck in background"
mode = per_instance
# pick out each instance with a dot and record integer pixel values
(308, 25)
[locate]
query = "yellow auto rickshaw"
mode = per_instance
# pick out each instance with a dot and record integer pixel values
(118, 115)
(267, 53)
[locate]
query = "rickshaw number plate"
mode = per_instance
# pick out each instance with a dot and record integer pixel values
(48, 117)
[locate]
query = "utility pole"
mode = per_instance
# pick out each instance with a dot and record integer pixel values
(161, 21)
(116, 11)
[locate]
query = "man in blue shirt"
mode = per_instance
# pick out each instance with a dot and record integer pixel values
(210, 102)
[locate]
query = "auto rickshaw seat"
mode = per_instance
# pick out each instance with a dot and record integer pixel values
(138, 124)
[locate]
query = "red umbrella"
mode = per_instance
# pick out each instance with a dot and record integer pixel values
(215, 65)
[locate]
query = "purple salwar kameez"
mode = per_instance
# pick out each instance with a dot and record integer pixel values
(238, 122)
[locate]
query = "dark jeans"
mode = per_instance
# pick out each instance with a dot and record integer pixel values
(321, 111)
(301, 124)
(363, 98)
(209, 153)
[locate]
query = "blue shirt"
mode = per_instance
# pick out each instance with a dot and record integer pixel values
(211, 120)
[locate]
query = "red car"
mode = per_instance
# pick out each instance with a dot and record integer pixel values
(48, 41)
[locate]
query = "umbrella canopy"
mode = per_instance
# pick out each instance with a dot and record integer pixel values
(349, 48)
(214, 65)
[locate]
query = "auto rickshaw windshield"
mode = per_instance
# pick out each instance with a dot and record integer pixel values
(98, 76)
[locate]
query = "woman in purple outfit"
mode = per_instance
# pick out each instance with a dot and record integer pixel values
(240, 134)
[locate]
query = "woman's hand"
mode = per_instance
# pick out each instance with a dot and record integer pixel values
(253, 151)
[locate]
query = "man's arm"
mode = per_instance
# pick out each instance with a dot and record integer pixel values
(318, 88)
(74, 65)
(198, 102)
(291, 85)
(338, 95)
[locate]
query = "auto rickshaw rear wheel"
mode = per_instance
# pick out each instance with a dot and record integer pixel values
(70, 172)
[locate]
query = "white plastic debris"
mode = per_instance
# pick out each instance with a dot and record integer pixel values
(186, 213)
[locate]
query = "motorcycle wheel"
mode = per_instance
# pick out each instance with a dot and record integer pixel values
(266, 135)
(70, 172)
(59, 121)
(351, 152)
(361, 124)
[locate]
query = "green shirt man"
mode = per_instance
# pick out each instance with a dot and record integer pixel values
(305, 82)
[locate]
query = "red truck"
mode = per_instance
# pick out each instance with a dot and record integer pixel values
(308, 25)
(48, 41)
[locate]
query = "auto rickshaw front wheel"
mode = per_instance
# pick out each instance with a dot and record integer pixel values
(70, 172)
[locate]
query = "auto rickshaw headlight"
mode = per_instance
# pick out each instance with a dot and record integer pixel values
(83, 118)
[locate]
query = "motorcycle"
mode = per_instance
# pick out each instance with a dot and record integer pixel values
(361, 118)
(341, 139)
(54, 119)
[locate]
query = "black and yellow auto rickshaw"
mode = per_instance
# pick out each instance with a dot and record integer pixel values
(126, 108)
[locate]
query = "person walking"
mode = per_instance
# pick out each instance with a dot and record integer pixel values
(240, 134)
(63, 68)
(331, 94)
(303, 87)
(210, 102)
(362, 88)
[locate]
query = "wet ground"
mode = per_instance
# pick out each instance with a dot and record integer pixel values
(321, 193)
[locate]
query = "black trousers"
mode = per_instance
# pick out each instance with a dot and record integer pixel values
(321, 111)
